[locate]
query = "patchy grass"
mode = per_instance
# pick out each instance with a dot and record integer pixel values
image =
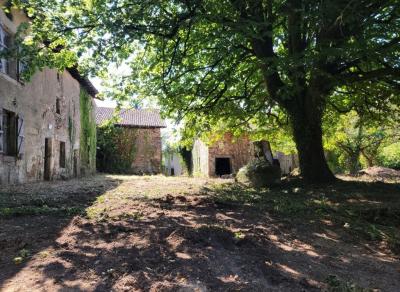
(155, 233)
(8, 212)
(365, 210)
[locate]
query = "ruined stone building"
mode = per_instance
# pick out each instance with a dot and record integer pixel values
(132, 144)
(229, 154)
(47, 128)
(226, 156)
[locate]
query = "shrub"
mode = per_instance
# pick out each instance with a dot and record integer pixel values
(390, 156)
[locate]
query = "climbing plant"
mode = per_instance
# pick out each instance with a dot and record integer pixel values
(116, 148)
(88, 133)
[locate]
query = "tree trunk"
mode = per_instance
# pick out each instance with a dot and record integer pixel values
(354, 162)
(307, 132)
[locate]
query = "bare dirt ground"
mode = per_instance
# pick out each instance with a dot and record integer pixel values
(129, 233)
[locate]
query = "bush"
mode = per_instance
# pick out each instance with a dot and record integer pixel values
(390, 156)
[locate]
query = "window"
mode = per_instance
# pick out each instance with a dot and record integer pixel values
(4, 44)
(21, 68)
(11, 133)
(1, 132)
(58, 106)
(62, 154)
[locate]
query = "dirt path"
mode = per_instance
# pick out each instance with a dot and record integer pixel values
(125, 233)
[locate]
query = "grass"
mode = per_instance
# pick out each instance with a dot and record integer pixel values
(337, 285)
(369, 212)
(8, 212)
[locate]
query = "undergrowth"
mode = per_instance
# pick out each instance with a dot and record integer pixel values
(376, 221)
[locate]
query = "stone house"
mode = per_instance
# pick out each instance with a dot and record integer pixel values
(47, 128)
(225, 156)
(173, 164)
(229, 154)
(133, 145)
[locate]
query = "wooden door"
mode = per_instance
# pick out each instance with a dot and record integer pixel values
(47, 159)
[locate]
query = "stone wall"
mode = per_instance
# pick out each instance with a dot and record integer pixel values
(129, 150)
(238, 149)
(200, 158)
(148, 152)
(287, 162)
(34, 103)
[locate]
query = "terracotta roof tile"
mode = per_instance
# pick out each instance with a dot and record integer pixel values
(131, 117)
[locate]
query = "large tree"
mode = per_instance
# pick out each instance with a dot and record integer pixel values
(235, 60)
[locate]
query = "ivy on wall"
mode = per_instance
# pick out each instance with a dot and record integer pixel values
(116, 148)
(88, 133)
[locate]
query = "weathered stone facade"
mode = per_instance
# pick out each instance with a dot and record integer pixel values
(234, 152)
(148, 151)
(129, 150)
(132, 144)
(45, 110)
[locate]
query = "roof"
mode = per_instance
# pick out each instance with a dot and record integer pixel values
(139, 118)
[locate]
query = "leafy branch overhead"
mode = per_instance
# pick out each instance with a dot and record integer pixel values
(243, 63)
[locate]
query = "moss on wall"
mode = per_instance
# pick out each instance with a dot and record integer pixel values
(88, 133)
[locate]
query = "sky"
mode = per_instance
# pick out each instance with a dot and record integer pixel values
(168, 133)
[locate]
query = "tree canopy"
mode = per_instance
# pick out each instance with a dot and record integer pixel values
(246, 63)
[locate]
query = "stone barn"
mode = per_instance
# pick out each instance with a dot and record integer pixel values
(47, 128)
(223, 157)
(132, 144)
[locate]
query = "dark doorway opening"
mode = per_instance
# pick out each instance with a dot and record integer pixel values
(47, 159)
(75, 163)
(222, 166)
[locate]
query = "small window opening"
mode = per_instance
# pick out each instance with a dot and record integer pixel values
(9, 133)
(58, 106)
(62, 154)
(222, 166)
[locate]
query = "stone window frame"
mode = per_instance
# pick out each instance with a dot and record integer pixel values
(13, 68)
(18, 137)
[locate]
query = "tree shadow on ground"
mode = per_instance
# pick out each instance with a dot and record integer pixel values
(228, 238)
(33, 216)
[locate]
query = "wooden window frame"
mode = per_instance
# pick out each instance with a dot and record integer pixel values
(5, 63)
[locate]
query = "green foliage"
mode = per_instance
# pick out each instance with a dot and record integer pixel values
(337, 285)
(23, 255)
(352, 135)
(247, 65)
(88, 133)
(390, 156)
(116, 148)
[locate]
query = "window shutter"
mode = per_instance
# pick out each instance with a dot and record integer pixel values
(20, 136)
(1, 132)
